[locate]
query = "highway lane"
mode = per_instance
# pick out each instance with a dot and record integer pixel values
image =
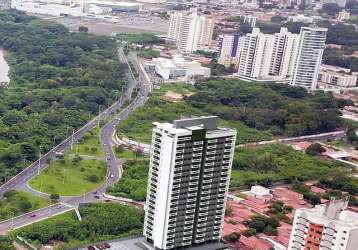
(114, 165)
(34, 216)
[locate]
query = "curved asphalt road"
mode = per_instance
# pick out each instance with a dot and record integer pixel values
(114, 172)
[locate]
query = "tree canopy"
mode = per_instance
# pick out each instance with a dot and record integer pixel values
(282, 109)
(58, 81)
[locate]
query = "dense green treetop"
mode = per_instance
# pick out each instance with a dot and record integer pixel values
(58, 81)
(283, 109)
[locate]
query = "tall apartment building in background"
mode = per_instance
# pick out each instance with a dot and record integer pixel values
(284, 53)
(330, 227)
(190, 30)
(255, 50)
(228, 49)
(267, 56)
(309, 56)
(190, 167)
(5, 4)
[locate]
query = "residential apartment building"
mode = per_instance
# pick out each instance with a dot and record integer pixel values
(228, 49)
(190, 166)
(190, 30)
(255, 54)
(309, 57)
(343, 15)
(325, 227)
(5, 4)
(267, 56)
(250, 20)
(284, 53)
(337, 76)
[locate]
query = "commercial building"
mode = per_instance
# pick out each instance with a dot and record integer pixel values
(267, 56)
(190, 30)
(178, 69)
(54, 8)
(228, 49)
(337, 76)
(190, 167)
(329, 226)
(309, 57)
(114, 6)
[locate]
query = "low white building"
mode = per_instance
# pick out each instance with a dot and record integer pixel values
(259, 192)
(55, 8)
(301, 19)
(120, 6)
(337, 76)
(178, 69)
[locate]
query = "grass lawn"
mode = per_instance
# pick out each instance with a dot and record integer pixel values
(19, 202)
(67, 176)
(138, 125)
(89, 145)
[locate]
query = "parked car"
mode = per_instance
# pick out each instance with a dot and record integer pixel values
(91, 248)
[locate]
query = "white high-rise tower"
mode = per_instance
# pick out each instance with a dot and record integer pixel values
(189, 175)
(255, 50)
(267, 56)
(190, 30)
(284, 53)
(309, 57)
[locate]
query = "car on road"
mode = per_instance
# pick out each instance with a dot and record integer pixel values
(103, 246)
(91, 248)
(112, 175)
(32, 215)
(96, 196)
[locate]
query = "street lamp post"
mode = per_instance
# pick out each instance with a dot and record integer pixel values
(39, 167)
(99, 115)
(12, 219)
(73, 132)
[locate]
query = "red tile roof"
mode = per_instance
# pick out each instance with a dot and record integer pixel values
(290, 197)
(253, 243)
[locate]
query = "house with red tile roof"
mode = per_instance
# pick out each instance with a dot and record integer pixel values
(290, 197)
